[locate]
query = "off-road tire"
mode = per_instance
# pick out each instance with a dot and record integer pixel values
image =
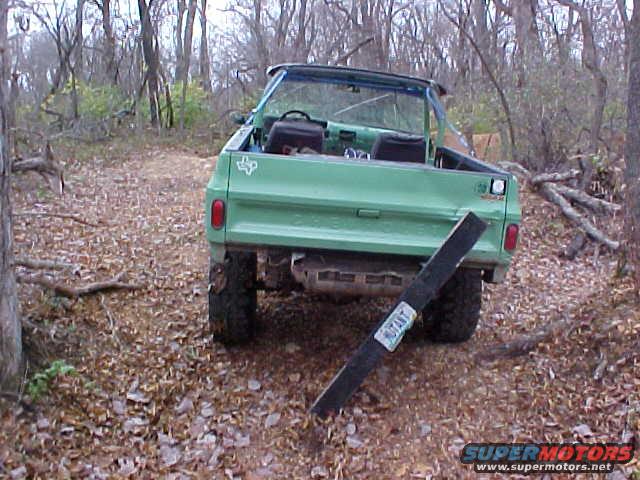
(453, 316)
(233, 298)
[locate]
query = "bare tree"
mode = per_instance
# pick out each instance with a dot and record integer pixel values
(494, 81)
(632, 146)
(205, 64)
(111, 67)
(78, 59)
(151, 59)
(523, 13)
(10, 327)
(186, 57)
(181, 9)
(592, 62)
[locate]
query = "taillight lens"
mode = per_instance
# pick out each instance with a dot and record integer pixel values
(217, 214)
(511, 237)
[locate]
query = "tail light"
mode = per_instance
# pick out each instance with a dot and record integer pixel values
(511, 237)
(217, 214)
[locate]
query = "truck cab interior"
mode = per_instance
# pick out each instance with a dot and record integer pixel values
(314, 110)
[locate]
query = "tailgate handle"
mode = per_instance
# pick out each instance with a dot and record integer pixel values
(368, 213)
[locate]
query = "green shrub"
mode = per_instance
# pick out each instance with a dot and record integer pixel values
(197, 111)
(99, 102)
(40, 383)
(96, 102)
(196, 105)
(481, 111)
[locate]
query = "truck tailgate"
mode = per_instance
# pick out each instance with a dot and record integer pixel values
(332, 203)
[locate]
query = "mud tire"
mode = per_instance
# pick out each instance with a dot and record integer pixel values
(453, 316)
(233, 298)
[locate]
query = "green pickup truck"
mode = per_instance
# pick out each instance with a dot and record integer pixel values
(339, 183)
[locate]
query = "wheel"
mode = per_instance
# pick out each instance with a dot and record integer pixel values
(453, 316)
(233, 298)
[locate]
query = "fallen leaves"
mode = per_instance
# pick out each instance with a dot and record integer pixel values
(254, 385)
(186, 405)
(582, 430)
(167, 401)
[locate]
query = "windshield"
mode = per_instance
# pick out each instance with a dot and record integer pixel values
(391, 109)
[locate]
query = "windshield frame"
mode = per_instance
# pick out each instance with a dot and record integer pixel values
(428, 95)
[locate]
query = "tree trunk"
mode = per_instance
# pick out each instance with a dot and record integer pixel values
(592, 62)
(187, 45)
(481, 32)
(109, 44)
(186, 57)
(632, 148)
(79, 42)
(182, 6)
(10, 327)
(258, 37)
(523, 13)
(205, 64)
(151, 59)
(300, 51)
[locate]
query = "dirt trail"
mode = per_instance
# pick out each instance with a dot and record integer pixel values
(155, 397)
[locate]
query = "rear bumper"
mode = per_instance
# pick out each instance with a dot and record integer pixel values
(375, 274)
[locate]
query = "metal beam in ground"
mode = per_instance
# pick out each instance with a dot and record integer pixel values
(386, 336)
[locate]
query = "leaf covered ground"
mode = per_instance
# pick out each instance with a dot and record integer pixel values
(153, 396)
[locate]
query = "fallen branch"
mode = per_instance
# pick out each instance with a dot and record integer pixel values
(525, 344)
(112, 322)
(553, 195)
(67, 216)
(587, 200)
(59, 289)
(554, 177)
(516, 169)
(45, 165)
(38, 264)
(572, 250)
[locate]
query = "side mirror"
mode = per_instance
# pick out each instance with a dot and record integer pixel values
(238, 118)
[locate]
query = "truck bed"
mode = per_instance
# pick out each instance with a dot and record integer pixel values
(332, 203)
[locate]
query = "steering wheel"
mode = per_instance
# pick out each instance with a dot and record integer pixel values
(306, 116)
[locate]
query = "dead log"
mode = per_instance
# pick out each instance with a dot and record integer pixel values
(516, 169)
(525, 344)
(67, 216)
(554, 177)
(577, 244)
(116, 283)
(45, 165)
(38, 264)
(586, 200)
(546, 182)
(553, 195)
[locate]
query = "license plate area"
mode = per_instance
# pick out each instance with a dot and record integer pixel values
(395, 326)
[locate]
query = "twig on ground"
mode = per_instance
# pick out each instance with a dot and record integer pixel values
(39, 264)
(67, 216)
(112, 322)
(115, 283)
(598, 373)
(525, 344)
(571, 251)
